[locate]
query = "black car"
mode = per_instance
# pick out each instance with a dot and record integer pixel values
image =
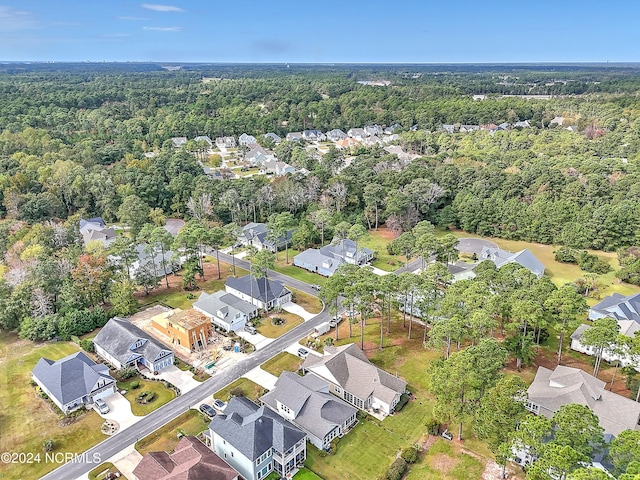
(208, 410)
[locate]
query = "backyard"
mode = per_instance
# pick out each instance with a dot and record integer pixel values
(165, 439)
(26, 420)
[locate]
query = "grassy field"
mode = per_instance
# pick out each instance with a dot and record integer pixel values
(163, 395)
(176, 297)
(305, 474)
(101, 471)
(26, 420)
(445, 460)
(165, 439)
(282, 361)
(274, 331)
(377, 240)
(310, 303)
(251, 390)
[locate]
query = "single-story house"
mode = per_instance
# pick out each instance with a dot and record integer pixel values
(190, 460)
(627, 327)
(226, 311)
(353, 378)
(449, 128)
(94, 229)
(372, 141)
(274, 167)
(307, 403)
(315, 261)
(258, 154)
(392, 128)
(357, 133)
(552, 389)
(123, 344)
(347, 143)
(372, 130)
(294, 136)
(74, 381)
(524, 258)
(469, 128)
(313, 136)
(262, 292)
(255, 441)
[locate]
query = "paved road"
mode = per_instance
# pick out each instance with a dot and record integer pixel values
(181, 404)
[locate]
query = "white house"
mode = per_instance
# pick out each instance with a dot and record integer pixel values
(261, 292)
(226, 311)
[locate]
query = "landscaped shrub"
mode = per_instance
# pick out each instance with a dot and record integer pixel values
(87, 345)
(328, 341)
(145, 397)
(48, 445)
(433, 427)
(237, 392)
(134, 385)
(126, 373)
(410, 454)
(276, 321)
(396, 470)
(404, 398)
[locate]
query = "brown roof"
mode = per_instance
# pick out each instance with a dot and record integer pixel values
(188, 319)
(191, 460)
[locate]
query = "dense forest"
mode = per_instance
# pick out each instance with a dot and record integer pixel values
(73, 142)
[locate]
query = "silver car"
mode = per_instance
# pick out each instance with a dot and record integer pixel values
(101, 405)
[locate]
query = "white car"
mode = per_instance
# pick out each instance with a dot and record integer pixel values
(219, 405)
(101, 405)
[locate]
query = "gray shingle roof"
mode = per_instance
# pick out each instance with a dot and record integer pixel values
(313, 256)
(345, 249)
(263, 289)
(355, 374)
(315, 409)
(524, 257)
(117, 337)
(252, 430)
(211, 303)
(619, 307)
(552, 389)
(70, 377)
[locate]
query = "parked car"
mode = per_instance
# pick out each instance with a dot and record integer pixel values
(219, 404)
(446, 434)
(101, 405)
(351, 313)
(207, 410)
(303, 352)
(250, 329)
(335, 320)
(316, 287)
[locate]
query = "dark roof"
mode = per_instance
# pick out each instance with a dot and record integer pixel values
(97, 220)
(191, 460)
(263, 288)
(117, 337)
(252, 430)
(71, 377)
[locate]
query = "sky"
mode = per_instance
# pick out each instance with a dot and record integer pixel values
(325, 31)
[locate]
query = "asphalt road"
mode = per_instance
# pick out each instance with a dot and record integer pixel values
(181, 404)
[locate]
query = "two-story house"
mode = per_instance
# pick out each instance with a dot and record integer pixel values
(256, 441)
(190, 328)
(74, 381)
(257, 235)
(261, 292)
(122, 344)
(354, 379)
(307, 403)
(226, 311)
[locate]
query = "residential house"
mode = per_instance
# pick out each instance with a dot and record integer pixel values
(357, 133)
(257, 234)
(315, 261)
(524, 258)
(256, 441)
(400, 153)
(372, 130)
(275, 138)
(346, 250)
(204, 138)
(294, 136)
(261, 292)
(307, 403)
(557, 121)
(274, 167)
(504, 126)
(372, 141)
(190, 328)
(313, 136)
(123, 344)
(151, 260)
(336, 134)
(226, 142)
(392, 128)
(552, 389)
(246, 139)
(178, 142)
(258, 154)
(74, 381)
(190, 460)
(461, 271)
(95, 230)
(573, 128)
(469, 128)
(522, 124)
(489, 127)
(448, 128)
(627, 328)
(617, 306)
(347, 143)
(390, 138)
(226, 311)
(354, 379)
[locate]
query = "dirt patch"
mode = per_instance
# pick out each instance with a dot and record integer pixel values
(443, 462)
(385, 233)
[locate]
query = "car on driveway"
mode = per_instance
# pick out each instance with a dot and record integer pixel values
(335, 320)
(207, 410)
(250, 329)
(219, 405)
(101, 405)
(303, 352)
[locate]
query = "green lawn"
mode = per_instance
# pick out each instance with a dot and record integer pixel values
(444, 460)
(282, 361)
(306, 474)
(101, 471)
(310, 303)
(26, 420)
(162, 395)
(250, 389)
(377, 240)
(165, 439)
(274, 331)
(176, 297)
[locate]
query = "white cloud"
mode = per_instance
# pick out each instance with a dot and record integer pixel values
(132, 19)
(163, 29)
(161, 8)
(12, 19)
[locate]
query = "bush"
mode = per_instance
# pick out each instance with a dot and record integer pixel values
(87, 345)
(237, 392)
(410, 454)
(127, 372)
(433, 427)
(403, 401)
(48, 445)
(397, 469)
(328, 341)
(566, 255)
(592, 263)
(145, 397)
(134, 385)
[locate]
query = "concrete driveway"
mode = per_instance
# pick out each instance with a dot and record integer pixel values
(378, 271)
(259, 341)
(181, 379)
(262, 378)
(296, 309)
(126, 461)
(293, 349)
(173, 226)
(474, 245)
(119, 411)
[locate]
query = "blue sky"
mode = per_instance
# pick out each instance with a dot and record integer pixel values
(399, 31)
